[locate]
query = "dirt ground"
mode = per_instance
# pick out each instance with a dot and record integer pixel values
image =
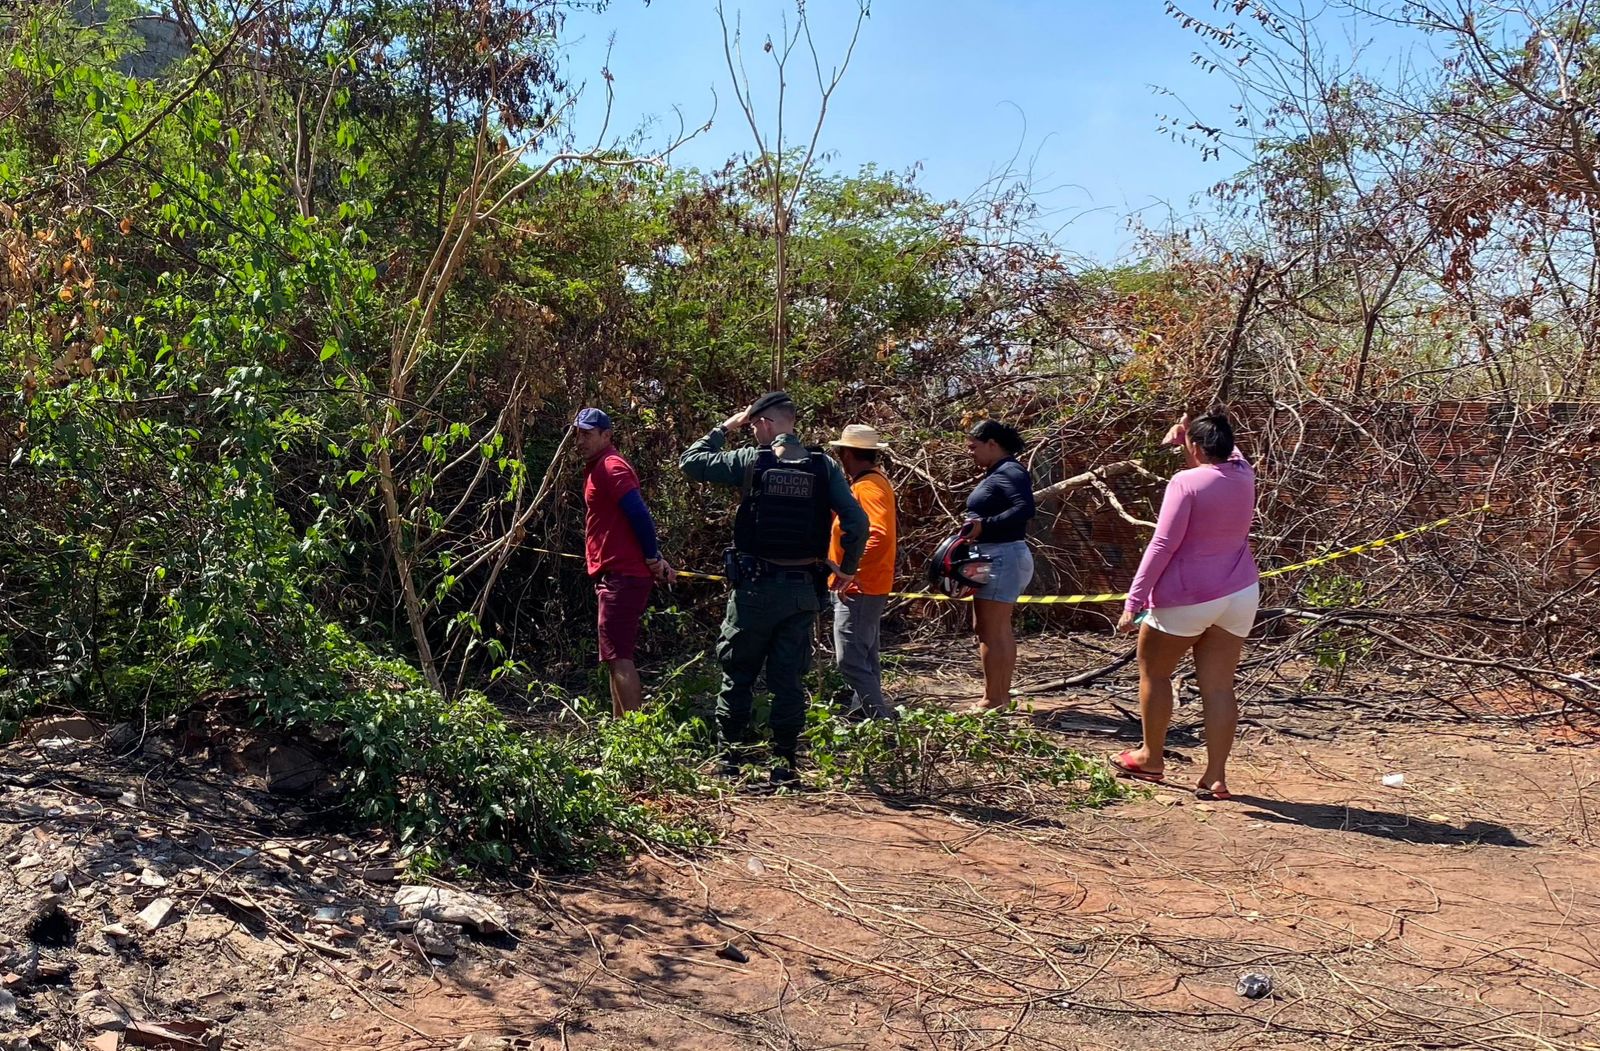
(1457, 910)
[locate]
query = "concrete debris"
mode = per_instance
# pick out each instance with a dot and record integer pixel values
(98, 1011)
(157, 914)
(473, 911)
(437, 939)
(61, 731)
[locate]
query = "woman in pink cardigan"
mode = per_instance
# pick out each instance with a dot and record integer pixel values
(1197, 589)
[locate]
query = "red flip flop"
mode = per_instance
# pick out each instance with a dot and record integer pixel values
(1207, 793)
(1125, 767)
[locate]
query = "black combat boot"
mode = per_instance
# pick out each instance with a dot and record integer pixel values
(783, 766)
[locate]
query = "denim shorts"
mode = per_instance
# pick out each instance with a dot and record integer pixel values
(1010, 570)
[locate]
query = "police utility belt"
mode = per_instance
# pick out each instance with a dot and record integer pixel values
(749, 569)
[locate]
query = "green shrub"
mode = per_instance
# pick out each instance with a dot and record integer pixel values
(936, 755)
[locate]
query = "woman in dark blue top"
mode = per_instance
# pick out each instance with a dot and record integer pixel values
(998, 511)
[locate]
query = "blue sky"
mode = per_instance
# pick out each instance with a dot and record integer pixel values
(959, 87)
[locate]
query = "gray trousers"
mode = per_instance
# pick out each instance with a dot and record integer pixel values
(856, 623)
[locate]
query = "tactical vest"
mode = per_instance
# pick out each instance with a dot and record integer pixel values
(785, 515)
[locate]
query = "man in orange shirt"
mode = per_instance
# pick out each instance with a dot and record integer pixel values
(858, 610)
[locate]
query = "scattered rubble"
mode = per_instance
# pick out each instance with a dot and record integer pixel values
(186, 904)
(97, 1010)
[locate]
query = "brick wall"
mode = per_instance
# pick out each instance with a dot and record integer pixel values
(1334, 475)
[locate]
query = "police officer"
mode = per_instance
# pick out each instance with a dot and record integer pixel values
(777, 565)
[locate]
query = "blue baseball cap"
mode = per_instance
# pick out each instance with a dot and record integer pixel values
(592, 420)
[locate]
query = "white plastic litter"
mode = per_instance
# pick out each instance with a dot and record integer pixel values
(1393, 780)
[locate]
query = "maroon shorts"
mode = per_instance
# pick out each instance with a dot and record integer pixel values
(622, 605)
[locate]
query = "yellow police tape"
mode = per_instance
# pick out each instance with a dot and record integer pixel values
(1370, 545)
(1064, 600)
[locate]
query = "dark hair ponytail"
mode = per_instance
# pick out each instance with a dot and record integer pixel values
(1213, 433)
(1003, 434)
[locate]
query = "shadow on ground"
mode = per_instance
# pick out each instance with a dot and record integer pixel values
(1403, 828)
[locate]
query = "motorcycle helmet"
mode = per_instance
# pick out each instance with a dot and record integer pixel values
(956, 570)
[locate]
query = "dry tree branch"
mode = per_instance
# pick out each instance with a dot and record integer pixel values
(483, 196)
(771, 160)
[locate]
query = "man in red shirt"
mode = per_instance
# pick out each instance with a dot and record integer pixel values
(622, 553)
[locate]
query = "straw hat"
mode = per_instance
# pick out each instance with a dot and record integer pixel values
(858, 436)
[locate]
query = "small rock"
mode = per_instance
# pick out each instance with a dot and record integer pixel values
(8, 1005)
(483, 1042)
(152, 878)
(28, 861)
(437, 939)
(1253, 986)
(336, 1014)
(157, 913)
(116, 931)
(123, 738)
(128, 799)
(105, 1042)
(98, 1011)
(59, 883)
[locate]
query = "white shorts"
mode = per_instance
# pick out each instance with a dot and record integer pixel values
(1235, 614)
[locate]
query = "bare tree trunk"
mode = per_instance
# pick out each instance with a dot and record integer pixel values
(1230, 355)
(489, 189)
(402, 565)
(771, 159)
(1371, 313)
(779, 336)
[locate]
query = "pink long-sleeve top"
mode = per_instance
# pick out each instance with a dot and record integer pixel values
(1201, 550)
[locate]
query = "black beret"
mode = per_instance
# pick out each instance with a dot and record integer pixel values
(776, 400)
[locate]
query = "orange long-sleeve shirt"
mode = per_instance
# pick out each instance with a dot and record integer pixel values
(876, 496)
